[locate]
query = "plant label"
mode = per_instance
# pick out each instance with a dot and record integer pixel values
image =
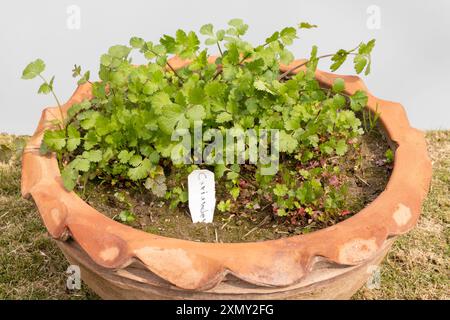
(202, 195)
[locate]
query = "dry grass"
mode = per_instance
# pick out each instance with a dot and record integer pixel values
(32, 267)
(418, 265)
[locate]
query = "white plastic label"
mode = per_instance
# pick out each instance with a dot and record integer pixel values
(202, 195)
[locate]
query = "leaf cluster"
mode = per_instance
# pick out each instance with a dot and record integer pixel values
(124, 132)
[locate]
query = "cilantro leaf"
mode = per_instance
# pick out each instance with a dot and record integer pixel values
(55, 139)
(173, 117)
(338, 85)
(141, 171)
(341, 147)
(73, 139)
(93, 155)
(358, 100)
(224, 117)
(196, 113)
(33, 69)
(306, 25)
(69, 177)
(124, 156)
(287, 142)
(207, 30)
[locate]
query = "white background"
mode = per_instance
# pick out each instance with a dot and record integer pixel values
(411, 61)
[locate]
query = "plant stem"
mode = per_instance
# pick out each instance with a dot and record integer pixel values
(174, 71)
(57, 100)
(288, 72)
(220, 49)
(170, 67)
(219, 71)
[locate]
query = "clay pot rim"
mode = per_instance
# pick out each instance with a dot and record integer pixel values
(200, 265)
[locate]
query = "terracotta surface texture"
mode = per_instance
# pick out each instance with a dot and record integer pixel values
(202, 266)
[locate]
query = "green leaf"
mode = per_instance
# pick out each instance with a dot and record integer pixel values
(55, 139)
(338, 101)
(73, 139)
(33, 69)
(360, 63)
(69, 177)
(274, 37)
(239, 25)
(224, 206)
(358, 100)
(157, 185)
(292, 124)
(45, 88)
(88, 119)
(127, 216)
(288, 35)
(287, 142)
(224, 117)
(366, 48)
(286, 56)
(207, 30)
(338, 58)
(232, 175)
(124, 156)
(326, 148)
(219, 170)
(76, 71)
(306, 25)
(84, 78)
(236, 22)
(215, 89)
(220, 34)
(196, 113)
(200, 62)
(150, 88)
(103, 125)
(168, 42)
(173, 117)
(210, 41)
(341, 147)
(119, 51)
(280, 190)
(154, 157)
(105, 60)
(137, 42)
(338, 85)
(262, 86)
(135, 160)
(141, 171)
(196, 95)
(160, 100)
(281, 212)
(93, 155)
(81, 164)
(90, 140)
(235, 192)
(389, 155)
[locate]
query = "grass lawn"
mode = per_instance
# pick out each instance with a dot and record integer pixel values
(32, 267)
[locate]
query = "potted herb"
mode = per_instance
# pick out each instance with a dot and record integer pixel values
(299, 158)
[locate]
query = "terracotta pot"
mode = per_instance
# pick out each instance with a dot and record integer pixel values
(118, 261)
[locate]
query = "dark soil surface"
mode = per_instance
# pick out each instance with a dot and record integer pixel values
(366, 172)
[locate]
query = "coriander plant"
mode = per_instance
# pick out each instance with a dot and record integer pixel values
(122, 136)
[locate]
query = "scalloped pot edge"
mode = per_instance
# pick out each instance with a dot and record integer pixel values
(275, 263)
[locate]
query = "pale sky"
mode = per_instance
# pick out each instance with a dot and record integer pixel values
(411, 61)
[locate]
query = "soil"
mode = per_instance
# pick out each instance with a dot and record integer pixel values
(366, 173)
